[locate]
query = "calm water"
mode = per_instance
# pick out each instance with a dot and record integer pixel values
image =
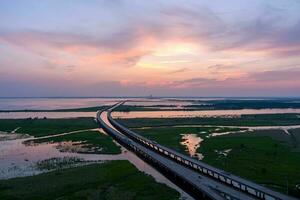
(65, 103)
(167, 104)
(53, 115)
(202, 113)
(147, 114)
(192, 143)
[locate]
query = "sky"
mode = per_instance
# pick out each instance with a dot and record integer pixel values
(140, 48)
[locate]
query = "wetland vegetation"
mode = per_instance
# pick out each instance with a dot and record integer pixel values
(111, 180)
(258, 156)
(90, 141)
(59, 163)
(243, 120)
(73, 177)
(269, 157)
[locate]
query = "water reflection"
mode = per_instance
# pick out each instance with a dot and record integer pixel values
(224, 152)
(53, 103)
(192, 143)
(202, 113)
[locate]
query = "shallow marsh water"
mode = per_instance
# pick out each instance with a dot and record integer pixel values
(192, 143)
(19, 160)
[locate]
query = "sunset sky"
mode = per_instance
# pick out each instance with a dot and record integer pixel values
(141, 47)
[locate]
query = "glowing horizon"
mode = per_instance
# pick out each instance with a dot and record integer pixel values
(138, 48)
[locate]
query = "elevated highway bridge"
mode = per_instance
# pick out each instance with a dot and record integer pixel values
(199, 179)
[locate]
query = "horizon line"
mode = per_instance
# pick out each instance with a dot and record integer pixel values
(149, 97)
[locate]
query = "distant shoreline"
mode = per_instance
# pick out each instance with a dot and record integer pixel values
(154, 97)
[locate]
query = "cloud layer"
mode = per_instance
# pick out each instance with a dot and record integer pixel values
(158, 47)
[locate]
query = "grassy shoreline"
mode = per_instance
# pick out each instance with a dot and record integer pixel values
(88, 142)
(44, 127)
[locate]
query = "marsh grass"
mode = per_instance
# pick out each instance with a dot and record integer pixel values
(116, 180)
(243, 120)
(58, 163)
(268, 157)
(94, 142)
(43, 127)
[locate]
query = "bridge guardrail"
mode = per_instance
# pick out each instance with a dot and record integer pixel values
(236, 182)
(127, 142)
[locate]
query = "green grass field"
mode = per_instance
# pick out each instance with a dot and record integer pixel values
(244, 120)
(295, 134)
(112, 180)
(43, 127)
(95, 141)
(258, 158)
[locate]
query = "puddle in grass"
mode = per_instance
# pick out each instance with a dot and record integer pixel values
(192, 143)
(224, 152)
